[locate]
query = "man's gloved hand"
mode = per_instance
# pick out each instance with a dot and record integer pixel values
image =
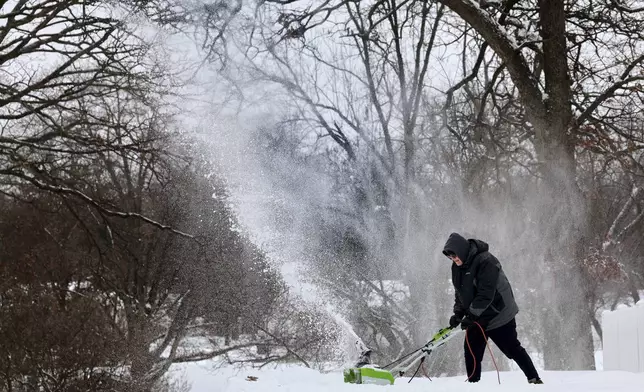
(467, 322)
(455, 320)
(470, 320)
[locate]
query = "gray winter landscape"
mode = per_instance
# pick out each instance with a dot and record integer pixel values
(294, 195)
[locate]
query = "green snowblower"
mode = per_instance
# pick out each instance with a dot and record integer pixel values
(364, 372)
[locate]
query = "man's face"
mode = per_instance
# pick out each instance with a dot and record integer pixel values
(455, 259)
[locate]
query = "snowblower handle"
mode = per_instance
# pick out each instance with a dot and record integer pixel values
(442, 333)
(440, 338)
(405, 363)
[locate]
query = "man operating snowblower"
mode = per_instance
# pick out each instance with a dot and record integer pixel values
(484, 306)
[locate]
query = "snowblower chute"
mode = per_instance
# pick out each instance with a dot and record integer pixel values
(364, 372)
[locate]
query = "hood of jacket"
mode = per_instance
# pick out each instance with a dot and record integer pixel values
(465, 249)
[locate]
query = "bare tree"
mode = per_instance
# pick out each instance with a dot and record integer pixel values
(65, 59)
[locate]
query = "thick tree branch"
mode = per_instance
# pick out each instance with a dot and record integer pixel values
(498, 39)
(82, 196)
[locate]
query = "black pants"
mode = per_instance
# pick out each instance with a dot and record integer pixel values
(505, 337)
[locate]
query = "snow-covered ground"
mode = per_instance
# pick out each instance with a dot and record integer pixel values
(300, 379)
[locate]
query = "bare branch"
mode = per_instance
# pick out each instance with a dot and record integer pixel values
(608, 93)
(80, 195)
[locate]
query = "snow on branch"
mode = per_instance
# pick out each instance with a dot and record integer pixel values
(505, 46)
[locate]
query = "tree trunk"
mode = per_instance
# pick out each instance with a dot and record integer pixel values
(562, 212)
(569, 345)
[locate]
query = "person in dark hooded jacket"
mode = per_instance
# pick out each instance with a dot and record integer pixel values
(484, 306)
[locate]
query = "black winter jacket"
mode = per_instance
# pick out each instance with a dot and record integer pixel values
(482, 289)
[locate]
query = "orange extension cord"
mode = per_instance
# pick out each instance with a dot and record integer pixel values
(474, 358)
